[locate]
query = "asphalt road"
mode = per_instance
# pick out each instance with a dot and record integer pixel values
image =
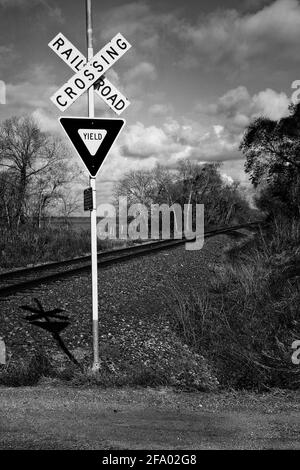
(47, 417)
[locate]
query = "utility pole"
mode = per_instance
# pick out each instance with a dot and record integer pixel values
(91, 114)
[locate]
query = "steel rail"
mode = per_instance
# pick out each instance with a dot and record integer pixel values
(105, 258)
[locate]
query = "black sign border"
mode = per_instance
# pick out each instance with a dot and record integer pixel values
(112, 126)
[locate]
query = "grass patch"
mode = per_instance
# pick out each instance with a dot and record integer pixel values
(138, 376)
(26, 372)
(32, 245)
(246, 322)
(30, 371)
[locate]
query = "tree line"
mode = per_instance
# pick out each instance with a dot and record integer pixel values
(188, 183)
(272, 160)
(36, 171)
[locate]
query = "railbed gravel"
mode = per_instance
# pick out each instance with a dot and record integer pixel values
(135, 305)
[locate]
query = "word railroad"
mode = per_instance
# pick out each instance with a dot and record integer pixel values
(89, 73)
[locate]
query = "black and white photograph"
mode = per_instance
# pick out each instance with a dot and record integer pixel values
(149, 229)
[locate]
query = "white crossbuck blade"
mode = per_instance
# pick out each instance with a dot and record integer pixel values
(89, 73)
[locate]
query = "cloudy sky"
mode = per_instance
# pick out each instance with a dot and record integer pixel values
(197, 73)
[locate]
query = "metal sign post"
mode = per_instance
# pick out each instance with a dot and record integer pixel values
(91, 137)
(91, 114)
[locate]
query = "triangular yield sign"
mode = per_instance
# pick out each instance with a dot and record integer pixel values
(92, 138)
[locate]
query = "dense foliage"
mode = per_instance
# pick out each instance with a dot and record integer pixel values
(189, 183)
(272, 156)
(247, 322)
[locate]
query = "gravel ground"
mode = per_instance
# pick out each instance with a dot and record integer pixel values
(134, 301)
(47, 417)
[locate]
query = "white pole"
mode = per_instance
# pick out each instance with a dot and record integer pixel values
(91, 113)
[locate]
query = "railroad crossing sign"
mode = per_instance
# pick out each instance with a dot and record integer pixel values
(87, 73)
(92, 138)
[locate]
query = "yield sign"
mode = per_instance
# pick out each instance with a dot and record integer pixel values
(92, 138)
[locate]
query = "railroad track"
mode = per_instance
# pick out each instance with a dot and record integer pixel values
(21, 279)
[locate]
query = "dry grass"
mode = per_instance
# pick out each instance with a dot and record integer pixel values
(246, 323)
(31, 245)
(26, 372)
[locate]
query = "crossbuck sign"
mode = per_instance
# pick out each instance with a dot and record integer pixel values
(87, 73)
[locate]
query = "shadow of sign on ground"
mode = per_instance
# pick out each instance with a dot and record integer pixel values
(51, 321)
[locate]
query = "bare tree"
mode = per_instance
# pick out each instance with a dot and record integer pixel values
(38, 162)
(7, 198)
(189, 183)
(69, 203)
(138, 186)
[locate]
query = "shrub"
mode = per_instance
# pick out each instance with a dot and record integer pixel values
(25, 372)
(246, 322)
(33, 245)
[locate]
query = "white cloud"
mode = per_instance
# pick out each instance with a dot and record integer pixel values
(138, 22)
(233, 39)
(53, 11)
(142, 71)
(151, 33)
(30, 94)
(142, 147)
(173, 141)
(145, 142)
(236, 108)
(235, 169)
(218, 130)
(271, 104)
(30, 89)
(227, 179)
(189, 133)
(158, 109)
(45, 121)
